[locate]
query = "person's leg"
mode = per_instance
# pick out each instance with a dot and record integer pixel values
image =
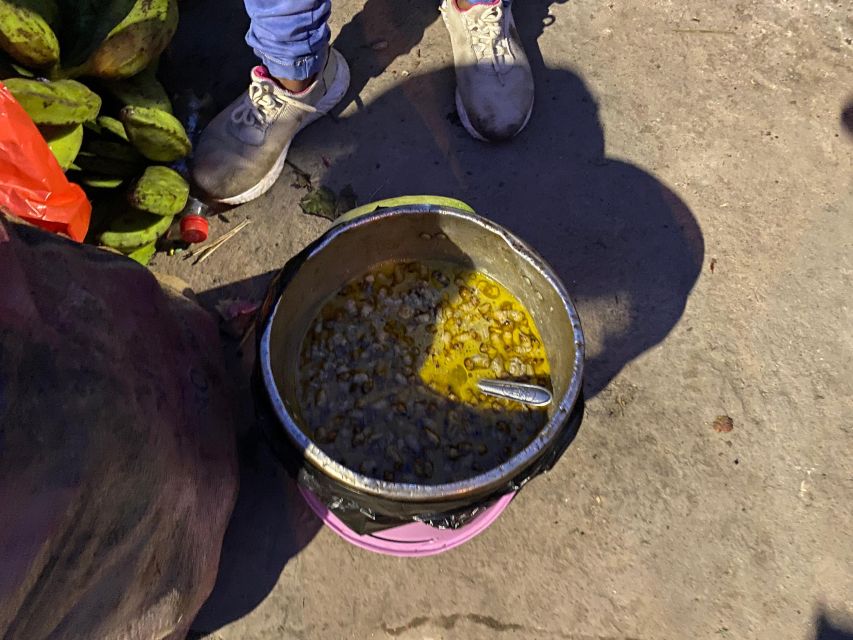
(494, 83)
(242, 151)
(290, 37)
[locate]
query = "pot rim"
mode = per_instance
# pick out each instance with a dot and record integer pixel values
(483, 482)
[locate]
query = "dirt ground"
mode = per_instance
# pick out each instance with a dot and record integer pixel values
(687, 171)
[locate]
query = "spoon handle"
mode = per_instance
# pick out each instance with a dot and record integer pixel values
(531, 394)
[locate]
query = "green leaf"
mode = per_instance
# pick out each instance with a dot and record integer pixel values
(319, 202)
(324, 203)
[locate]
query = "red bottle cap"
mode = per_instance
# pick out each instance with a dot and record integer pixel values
(194, 229)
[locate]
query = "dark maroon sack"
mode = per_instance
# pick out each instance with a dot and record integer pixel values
(118, 469)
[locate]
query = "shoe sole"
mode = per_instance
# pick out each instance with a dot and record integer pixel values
(466, 121)
(336, 92)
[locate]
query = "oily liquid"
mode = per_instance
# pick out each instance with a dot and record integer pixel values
(389, 368)
(481, 338)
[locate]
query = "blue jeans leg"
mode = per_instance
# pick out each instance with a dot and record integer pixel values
(290, 37)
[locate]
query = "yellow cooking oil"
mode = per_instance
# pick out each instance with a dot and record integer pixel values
(484, 332)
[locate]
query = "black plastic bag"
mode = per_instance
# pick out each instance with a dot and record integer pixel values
(365, 513)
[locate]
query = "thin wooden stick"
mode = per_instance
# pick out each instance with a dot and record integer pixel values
(205, 252)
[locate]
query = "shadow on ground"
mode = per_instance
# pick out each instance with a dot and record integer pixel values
(847, 117)
(270, 525)
(628, 249)
(827, 628)
(396, 25)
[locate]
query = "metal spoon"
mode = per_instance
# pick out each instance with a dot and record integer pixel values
(531, 394)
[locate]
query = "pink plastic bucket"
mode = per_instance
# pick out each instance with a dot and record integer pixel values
(413, 540)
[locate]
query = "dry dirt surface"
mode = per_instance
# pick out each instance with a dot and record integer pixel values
(687, 171)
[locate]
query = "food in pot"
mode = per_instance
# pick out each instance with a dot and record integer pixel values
(389, 368)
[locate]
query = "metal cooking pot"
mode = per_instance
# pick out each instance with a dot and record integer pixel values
(409, 229)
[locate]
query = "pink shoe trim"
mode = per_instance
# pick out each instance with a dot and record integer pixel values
(262, 73)
(478, 4)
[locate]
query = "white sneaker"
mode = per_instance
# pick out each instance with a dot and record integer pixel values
(494, 83)
(241, 152)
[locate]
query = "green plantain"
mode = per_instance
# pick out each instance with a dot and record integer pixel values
(144, 253)
(100, 182)
(142, 90)
(117, 151)
(160, 191)
(92, 163)
(135, 42)
(112, 126)
(11, 69)
(64, 142)
(158, 135)
(85, 25)
(60, 102)
(133, 230)
(26, 33)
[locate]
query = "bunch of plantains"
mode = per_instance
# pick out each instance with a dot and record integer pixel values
(85, 72)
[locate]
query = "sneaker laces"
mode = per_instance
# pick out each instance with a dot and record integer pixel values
(264, 104)
(489, 38)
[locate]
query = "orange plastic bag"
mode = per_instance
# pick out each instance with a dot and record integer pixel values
(32, 184)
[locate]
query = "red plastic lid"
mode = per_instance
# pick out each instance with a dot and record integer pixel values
(194, 229)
